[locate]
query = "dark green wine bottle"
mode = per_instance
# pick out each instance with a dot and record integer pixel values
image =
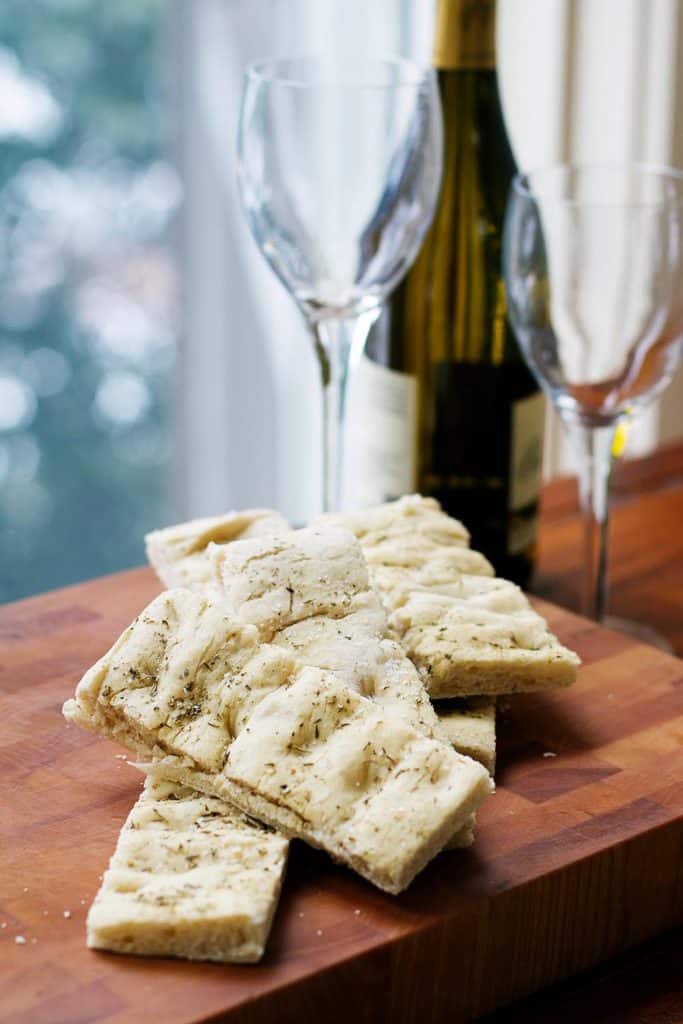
(444, 402)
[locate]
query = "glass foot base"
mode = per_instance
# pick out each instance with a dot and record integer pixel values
(646, 634)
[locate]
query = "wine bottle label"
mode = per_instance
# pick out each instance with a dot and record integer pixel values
(526, 450)
(526, 462)
(381, 457)
(465, 34)
(483, 461)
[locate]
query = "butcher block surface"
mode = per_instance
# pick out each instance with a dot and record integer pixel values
(579, 854)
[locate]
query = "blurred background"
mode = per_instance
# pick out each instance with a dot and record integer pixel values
(151, 367)
(89, 286)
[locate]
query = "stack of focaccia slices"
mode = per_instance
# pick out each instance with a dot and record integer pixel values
(467, 632)
(281, 689)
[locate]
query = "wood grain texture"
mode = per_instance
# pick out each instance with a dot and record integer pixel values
(579, 856)
(643, 986)
(646, 544)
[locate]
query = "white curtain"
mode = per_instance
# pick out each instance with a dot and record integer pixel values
(586, 79)
(249, 393)
(596, 80)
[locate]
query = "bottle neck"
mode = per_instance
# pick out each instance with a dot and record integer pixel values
(465, 35)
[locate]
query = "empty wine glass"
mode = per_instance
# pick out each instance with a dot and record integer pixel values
(339, 165)
(593, 263)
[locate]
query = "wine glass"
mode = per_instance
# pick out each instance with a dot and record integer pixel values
(339, 166)
(593, 265)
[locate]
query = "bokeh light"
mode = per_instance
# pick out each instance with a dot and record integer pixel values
(122, 398)
(17, 403)
(89, 298)
(47, 371)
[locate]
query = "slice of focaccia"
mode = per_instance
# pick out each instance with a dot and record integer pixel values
(199, 693)
(467, 633)
(469, 724)
(439, 573)
(411, 516)
(308, 592)
(191, 877)
(178, 553)
(482, 637)
(415, 539)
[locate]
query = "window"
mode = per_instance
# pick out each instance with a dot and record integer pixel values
(97, 444)
(88, 288)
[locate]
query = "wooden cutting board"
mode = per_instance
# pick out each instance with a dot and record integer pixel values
(579, 854)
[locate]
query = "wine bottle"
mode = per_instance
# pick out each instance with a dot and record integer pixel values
(443, 402)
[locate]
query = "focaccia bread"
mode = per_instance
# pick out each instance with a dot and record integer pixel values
(413, 537)
(178, 553)
(439, 573)
(191, 877)
(469, 724)
(274, 582)
(410, 516)
(466, 632)
(323, 764)
(197, 692)
(308, 592)
(481, 638)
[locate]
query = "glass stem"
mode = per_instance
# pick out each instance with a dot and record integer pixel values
(339, 343)
(593, 449)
